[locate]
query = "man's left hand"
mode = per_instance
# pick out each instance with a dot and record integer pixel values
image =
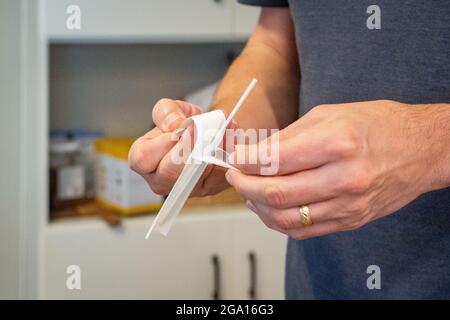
(349, 163)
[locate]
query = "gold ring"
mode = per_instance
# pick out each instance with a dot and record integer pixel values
(305, 216)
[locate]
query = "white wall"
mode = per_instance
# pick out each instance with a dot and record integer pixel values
(23, 145)
(10, 128)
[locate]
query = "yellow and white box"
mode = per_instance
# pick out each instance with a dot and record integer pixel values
(117, 186)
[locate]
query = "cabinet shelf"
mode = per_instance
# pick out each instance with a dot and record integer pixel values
(149, 21)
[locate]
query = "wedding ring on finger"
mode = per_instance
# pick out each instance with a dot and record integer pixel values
(305, 216)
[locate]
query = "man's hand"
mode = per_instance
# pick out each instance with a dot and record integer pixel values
(151, 154)
(350, 164)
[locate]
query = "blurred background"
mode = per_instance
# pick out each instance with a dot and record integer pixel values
(78, 79)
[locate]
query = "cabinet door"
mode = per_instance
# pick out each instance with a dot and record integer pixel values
(258, 260)
(119, 263)
(148, 20)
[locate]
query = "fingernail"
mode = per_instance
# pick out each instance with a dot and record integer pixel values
(170, 120)
(177, 133)
(250, 205)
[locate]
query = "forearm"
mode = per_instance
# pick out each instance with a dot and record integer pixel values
(436, 133)
(274, 101)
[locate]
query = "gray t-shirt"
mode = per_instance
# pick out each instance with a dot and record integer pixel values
(342, 60)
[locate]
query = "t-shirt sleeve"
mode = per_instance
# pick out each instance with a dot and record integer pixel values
(266, 3)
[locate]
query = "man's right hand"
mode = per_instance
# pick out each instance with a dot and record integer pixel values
(150, 155)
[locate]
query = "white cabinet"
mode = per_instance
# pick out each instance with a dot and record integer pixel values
(259, 260)
(119, 263)
(149, 20)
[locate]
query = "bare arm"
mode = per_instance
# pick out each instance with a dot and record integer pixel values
(270, 56)
(434, 122)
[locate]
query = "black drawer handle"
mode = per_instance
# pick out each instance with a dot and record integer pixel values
(216, 275)
(253, 274)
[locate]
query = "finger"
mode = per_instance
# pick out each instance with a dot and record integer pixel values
(290, 190)
(168, 114)
(287, 219)
(211, 182)
(172, 164)
(317, 230)
(301, 145)
(153, 133)
(279, 156)
(268, 219)
(300, 233)
(146, 152)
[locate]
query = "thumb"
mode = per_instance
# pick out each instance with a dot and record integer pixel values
(168, 114)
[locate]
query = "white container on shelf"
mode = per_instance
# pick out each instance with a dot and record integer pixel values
(66, 171)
